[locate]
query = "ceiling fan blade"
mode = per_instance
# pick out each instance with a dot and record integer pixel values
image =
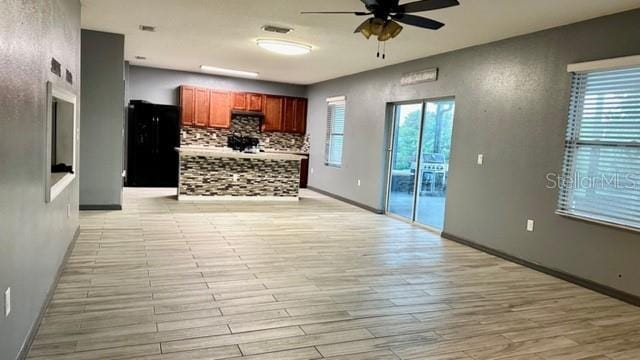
(417, 21)
(357, 13)
(425, 5)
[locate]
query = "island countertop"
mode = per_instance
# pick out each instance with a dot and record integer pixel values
(228, 153)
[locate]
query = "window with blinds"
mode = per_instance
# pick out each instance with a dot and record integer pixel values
(601, 171)
(335, 131)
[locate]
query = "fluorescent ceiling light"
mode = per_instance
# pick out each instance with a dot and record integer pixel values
(284, 47)
(223, 71)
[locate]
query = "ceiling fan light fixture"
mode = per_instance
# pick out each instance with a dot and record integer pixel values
(284, 47)
(365, 29)
(377, 25)
(391, 30)
(373, 26)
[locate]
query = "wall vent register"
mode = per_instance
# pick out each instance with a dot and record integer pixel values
(600, 178)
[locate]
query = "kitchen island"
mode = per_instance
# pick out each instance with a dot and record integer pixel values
(210, 173)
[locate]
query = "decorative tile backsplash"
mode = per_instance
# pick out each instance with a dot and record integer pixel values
(219, 176)
(245, 126)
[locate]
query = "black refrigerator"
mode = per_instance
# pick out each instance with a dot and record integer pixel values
(153, 135)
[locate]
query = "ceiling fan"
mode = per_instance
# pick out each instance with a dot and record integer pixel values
(388, 13)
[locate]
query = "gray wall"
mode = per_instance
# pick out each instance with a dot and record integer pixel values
(160, 86)
(33, 235)
(512, 98)
(103, 96)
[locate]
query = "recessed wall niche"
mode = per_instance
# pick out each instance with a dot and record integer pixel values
(61, 141)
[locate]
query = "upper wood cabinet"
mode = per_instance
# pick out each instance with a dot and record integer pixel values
(300, 116)
(273, 113)
(295, 115)
(248, 102)
(289, 115)
(187, 102)
(213, 108)
(255, 102)
(202, 108)
(240, 101)
(219, 109)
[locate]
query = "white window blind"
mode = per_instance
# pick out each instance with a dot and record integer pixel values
(335, 131)
(601, 171)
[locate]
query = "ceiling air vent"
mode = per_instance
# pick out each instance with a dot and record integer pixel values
(138, 57)
(147, 28)
(276, 29)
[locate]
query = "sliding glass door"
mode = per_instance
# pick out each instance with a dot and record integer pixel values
(419, 161)
(404, 154)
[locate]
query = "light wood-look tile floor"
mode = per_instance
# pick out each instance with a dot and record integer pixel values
(314, 279)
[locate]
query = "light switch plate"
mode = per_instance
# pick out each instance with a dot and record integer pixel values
(530, 224)
(359, 183)
(312, 170)
(7, 302)
(480, 159)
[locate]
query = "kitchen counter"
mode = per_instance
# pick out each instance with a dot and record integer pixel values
(214, 174)
(228, 153)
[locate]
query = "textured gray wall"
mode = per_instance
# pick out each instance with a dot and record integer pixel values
(103, 114)
(160, 86)
(33, 235)
(512, 98)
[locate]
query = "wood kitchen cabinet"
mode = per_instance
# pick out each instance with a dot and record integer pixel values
(273, 113)
(187, 102)
(300, 114)
(201, 107)
(240, 101)
(219, 109)
(295, 115)
(304, 173)
(213, 108)
(255, 102)
(248, 102)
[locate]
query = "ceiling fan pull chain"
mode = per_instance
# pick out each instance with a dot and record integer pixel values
(378, 49)
(384, 50)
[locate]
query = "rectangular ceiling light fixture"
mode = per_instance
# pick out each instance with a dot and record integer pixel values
(229, 72)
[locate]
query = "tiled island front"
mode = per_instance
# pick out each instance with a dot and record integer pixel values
(221, 174)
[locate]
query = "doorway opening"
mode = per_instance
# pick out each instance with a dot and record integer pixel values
(420, 149)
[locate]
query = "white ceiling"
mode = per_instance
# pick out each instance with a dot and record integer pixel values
(222, 33)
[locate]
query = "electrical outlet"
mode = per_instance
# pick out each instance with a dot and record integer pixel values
(68, 210)
(530, 224)
(480, 159)
(359, 183)
(7, 302)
